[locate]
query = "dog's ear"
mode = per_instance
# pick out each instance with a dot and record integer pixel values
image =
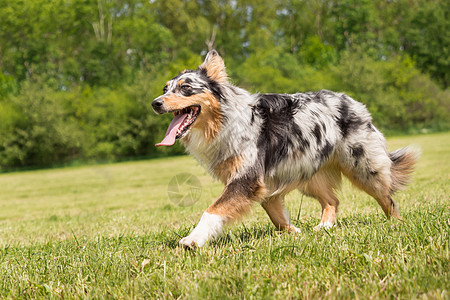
(214, 67)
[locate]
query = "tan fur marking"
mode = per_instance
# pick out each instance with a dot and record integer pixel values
(209, 120)
(322, 186)
(227, 168)
(215, 68)
(173, 102)
(180, 82)
(329, 213)
(277, 213)
(233, 209)
(232, 205)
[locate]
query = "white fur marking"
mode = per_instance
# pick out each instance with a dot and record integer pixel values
(295, 229)
(325, 225)
(209, 227)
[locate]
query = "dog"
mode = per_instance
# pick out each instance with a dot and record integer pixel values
(263, 146)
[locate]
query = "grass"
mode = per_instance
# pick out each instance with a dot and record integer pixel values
(110, 231)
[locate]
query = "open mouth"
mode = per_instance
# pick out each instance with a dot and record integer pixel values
(192, 113)
(182, 121)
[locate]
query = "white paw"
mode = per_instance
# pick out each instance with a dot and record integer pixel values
(295, 229)
(209, 227)
(192, 242)
(324, 225)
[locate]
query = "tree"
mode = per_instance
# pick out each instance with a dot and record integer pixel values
(427, 38)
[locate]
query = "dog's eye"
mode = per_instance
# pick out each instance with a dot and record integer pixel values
(165, 89)
(185, 88)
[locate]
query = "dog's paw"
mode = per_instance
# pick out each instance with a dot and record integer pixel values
(191, 242)
(294, 229)
(324, 225)
(187, 243)
(209, 227)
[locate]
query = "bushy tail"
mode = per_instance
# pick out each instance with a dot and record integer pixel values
(403, 162)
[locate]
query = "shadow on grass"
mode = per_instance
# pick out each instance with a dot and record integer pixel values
(361, 220)
(246, 235)
(243, 235)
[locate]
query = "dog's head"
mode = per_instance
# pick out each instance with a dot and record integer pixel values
(194, 99)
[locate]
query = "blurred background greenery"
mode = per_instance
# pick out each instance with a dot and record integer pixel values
(77, 76)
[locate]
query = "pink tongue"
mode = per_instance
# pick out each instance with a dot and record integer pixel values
(171, 132)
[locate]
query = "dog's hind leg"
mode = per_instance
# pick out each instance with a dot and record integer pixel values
(235, 200)
(378, 185)
(370, 167)
(274, 207)
(322, 186)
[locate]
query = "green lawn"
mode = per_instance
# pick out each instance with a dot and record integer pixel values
(110, 231)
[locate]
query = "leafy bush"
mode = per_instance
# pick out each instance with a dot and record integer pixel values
(38, 130)
(399, 97)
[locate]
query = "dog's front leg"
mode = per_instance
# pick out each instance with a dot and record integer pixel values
(235, 200)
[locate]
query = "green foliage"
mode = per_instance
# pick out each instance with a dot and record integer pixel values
(40, 131)
(398, 96)
(316, 54)
(271, 70)
(356, 23)
(77, 77)
(427, 38)
(7, 85)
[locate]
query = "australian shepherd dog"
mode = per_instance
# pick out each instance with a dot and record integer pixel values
(263, 146)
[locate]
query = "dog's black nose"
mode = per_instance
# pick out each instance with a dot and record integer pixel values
(157, 105)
